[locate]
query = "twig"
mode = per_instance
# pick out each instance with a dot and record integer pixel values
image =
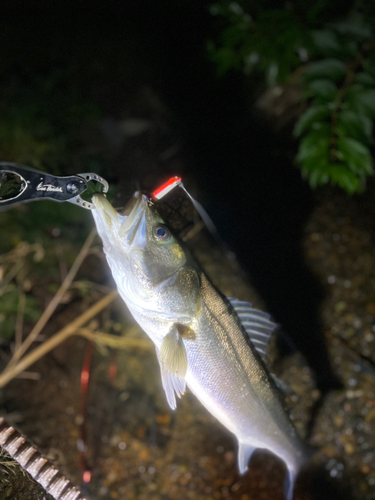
(22, 249)
(55, 301)
(11, 274)
(63, 269)
(90, 285)
(30, 375)
(48, 345)
(113, 340)
(19, 320)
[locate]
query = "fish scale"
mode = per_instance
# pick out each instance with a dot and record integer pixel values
(247, 389)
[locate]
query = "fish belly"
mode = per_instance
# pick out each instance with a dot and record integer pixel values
(230, 380)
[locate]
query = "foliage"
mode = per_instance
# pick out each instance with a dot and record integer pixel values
(30, 271)
(337, 62)
(9, 309)
(250, 43)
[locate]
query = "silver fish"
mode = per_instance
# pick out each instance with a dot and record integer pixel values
(203, 340)
(40, 468)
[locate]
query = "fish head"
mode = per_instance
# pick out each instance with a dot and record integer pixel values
(139, 245)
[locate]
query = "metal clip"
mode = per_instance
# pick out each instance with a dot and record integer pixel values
(21, 184)
(87, 177)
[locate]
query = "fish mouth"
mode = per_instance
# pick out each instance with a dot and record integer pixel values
(106, 212)
(120, 226)
(132, 211)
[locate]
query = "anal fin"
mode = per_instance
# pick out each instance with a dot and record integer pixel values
(244, 453)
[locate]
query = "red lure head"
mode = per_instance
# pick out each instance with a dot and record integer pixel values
(166, 187)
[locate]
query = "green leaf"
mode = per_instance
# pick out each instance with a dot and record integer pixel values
(314, 178)
(369, 64)
(365, 79)
(343, 177)
(355, 154)
(333, 69)
(325, 90)
(317, 161)
(226, 59)
(236, 8)
(351, 49)
(353, 25)
(352, 124)
(315, 143)
(310, 117)
(315, 171)
(326, 42)
(215, 9)
(361, 100)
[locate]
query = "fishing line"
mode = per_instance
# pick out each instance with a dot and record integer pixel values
(177, 181)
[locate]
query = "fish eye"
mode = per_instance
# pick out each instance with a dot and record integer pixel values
(161, 232)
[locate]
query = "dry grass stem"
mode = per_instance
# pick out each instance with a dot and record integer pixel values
(30, 375)
(7, 462)
(21, 250)
(114, 341)
(11, 274)
(13, 371)
(19, 320)
(55, 301)
(63, 267)
(90, 285)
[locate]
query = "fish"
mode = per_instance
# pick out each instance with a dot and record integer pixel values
(207, 342)
(39, 467)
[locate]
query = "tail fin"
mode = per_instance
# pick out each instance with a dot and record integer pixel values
(289, 482)
(293, 471)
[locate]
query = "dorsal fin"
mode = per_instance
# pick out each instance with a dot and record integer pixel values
(257, 324)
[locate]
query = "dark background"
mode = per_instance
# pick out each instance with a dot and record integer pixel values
(241, 166)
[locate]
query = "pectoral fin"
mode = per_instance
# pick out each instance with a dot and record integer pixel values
(172, 353)
(173, 365)
(173, 386)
